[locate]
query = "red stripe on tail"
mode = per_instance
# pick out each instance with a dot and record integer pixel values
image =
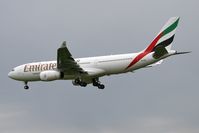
(147, 51)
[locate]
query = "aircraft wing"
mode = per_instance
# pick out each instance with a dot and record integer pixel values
(66, 63)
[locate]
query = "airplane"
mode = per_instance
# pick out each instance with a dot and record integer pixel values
(84, 71)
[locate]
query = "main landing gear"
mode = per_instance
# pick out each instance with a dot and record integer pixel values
(98, 84)
(79, 82)
(26, 85)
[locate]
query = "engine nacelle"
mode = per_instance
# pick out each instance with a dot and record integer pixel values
(50, 75)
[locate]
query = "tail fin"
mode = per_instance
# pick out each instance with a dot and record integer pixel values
(165, 36)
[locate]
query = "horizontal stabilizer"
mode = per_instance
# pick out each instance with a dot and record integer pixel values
(178, 53)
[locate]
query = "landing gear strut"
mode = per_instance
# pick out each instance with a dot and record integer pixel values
(98, 84)
(26, 85)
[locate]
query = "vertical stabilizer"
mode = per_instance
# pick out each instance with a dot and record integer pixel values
(165, 36)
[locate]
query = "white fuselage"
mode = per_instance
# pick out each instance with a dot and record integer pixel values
(95, 66)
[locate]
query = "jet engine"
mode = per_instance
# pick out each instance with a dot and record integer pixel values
(50, 75)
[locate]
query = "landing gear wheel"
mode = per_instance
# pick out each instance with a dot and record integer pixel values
(77, 81)
(101, 86)
(83, 84)
(95, 84)
(98, 84)
(26, 87)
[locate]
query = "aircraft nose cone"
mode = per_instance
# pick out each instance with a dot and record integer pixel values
(10, 75)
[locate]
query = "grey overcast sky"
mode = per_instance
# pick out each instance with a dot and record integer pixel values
(163, 99)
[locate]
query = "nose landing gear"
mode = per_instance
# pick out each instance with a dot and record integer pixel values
(26, 85)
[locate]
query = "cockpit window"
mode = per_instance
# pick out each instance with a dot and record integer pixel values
(13, 69)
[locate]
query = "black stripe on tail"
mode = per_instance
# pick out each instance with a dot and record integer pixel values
(165, 43)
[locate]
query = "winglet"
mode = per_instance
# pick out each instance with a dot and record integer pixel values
(63, 44)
